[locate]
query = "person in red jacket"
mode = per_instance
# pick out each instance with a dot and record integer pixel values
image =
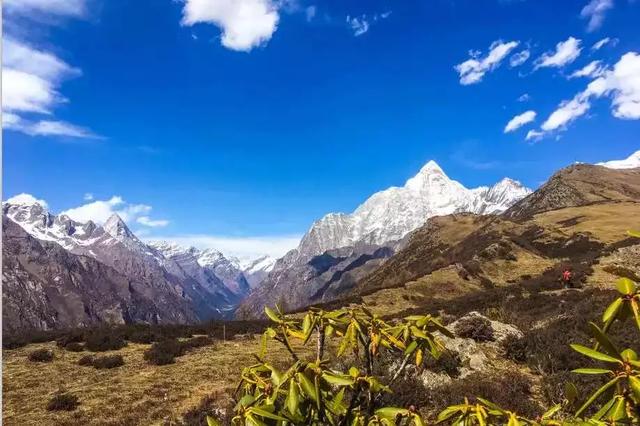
(566, 278)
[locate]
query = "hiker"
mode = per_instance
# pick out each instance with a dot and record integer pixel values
(566, 278)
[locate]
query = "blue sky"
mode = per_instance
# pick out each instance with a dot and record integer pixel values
(240, 130)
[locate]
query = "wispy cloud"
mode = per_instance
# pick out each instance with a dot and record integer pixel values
(592, 69)
(595, 12)
(621, 84)
(32, 77)
(519, 58)
(245, 24)
(565, 52)
(361, 24)
(601, 43)
(70, 8)
(520, 120)
(473, 70)
(525, 97)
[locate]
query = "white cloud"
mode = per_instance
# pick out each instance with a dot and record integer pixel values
(310, 12)
(26, 58)
(525, 97)
(88, 196)
(147, 221)
(566, 52)
(592, 69)
(47, 128)
(242, 247)
(519, 58)
(520, 120)
(601, 43)
(26, 199)
(567, 112)
(100, 210)
(245, 24)
(621, 84)
(30, 81)
(534, 135)
(473, 70)
(59, 128)
(26, 92)
(595, 12)
(72, 8)
(358, 25)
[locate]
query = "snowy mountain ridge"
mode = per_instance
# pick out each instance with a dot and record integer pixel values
(631, 162)
(391, 214)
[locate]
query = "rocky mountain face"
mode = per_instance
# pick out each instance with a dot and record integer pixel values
(201, 285)
(46, 286)
(357, 243)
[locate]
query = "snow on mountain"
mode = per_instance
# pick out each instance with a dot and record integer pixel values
(210, 260)
(631, 162)
(391, 214)
(256, 270)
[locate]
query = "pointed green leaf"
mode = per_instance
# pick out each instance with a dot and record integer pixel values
(603, 341)
(213, 422)
(591, 371)
(611, 311)
(595, 395)
(625, 286)
(273, 316)
(594, 354)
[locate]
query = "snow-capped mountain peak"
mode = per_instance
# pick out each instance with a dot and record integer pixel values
(390, 214)
(116, 227)
(631, 162)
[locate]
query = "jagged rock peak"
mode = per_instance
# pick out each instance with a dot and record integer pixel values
(116, 227)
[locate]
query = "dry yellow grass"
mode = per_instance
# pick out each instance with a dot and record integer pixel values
(136, 393)
(607, 222)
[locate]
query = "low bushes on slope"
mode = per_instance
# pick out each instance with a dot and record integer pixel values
(41, 355)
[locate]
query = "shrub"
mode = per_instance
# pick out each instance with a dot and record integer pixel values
(63, 402)
(86, 360)
(509, 389)
(515, 348)
(164, 352)
(108, 361)
(41, 355)
(197, 342)
(13, 342)
(73, 336)
(142, 336)
(74, 347)
(476, 328)
(104, 340)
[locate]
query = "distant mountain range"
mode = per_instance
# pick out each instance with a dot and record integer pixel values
(58, 272)
(157, 282)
